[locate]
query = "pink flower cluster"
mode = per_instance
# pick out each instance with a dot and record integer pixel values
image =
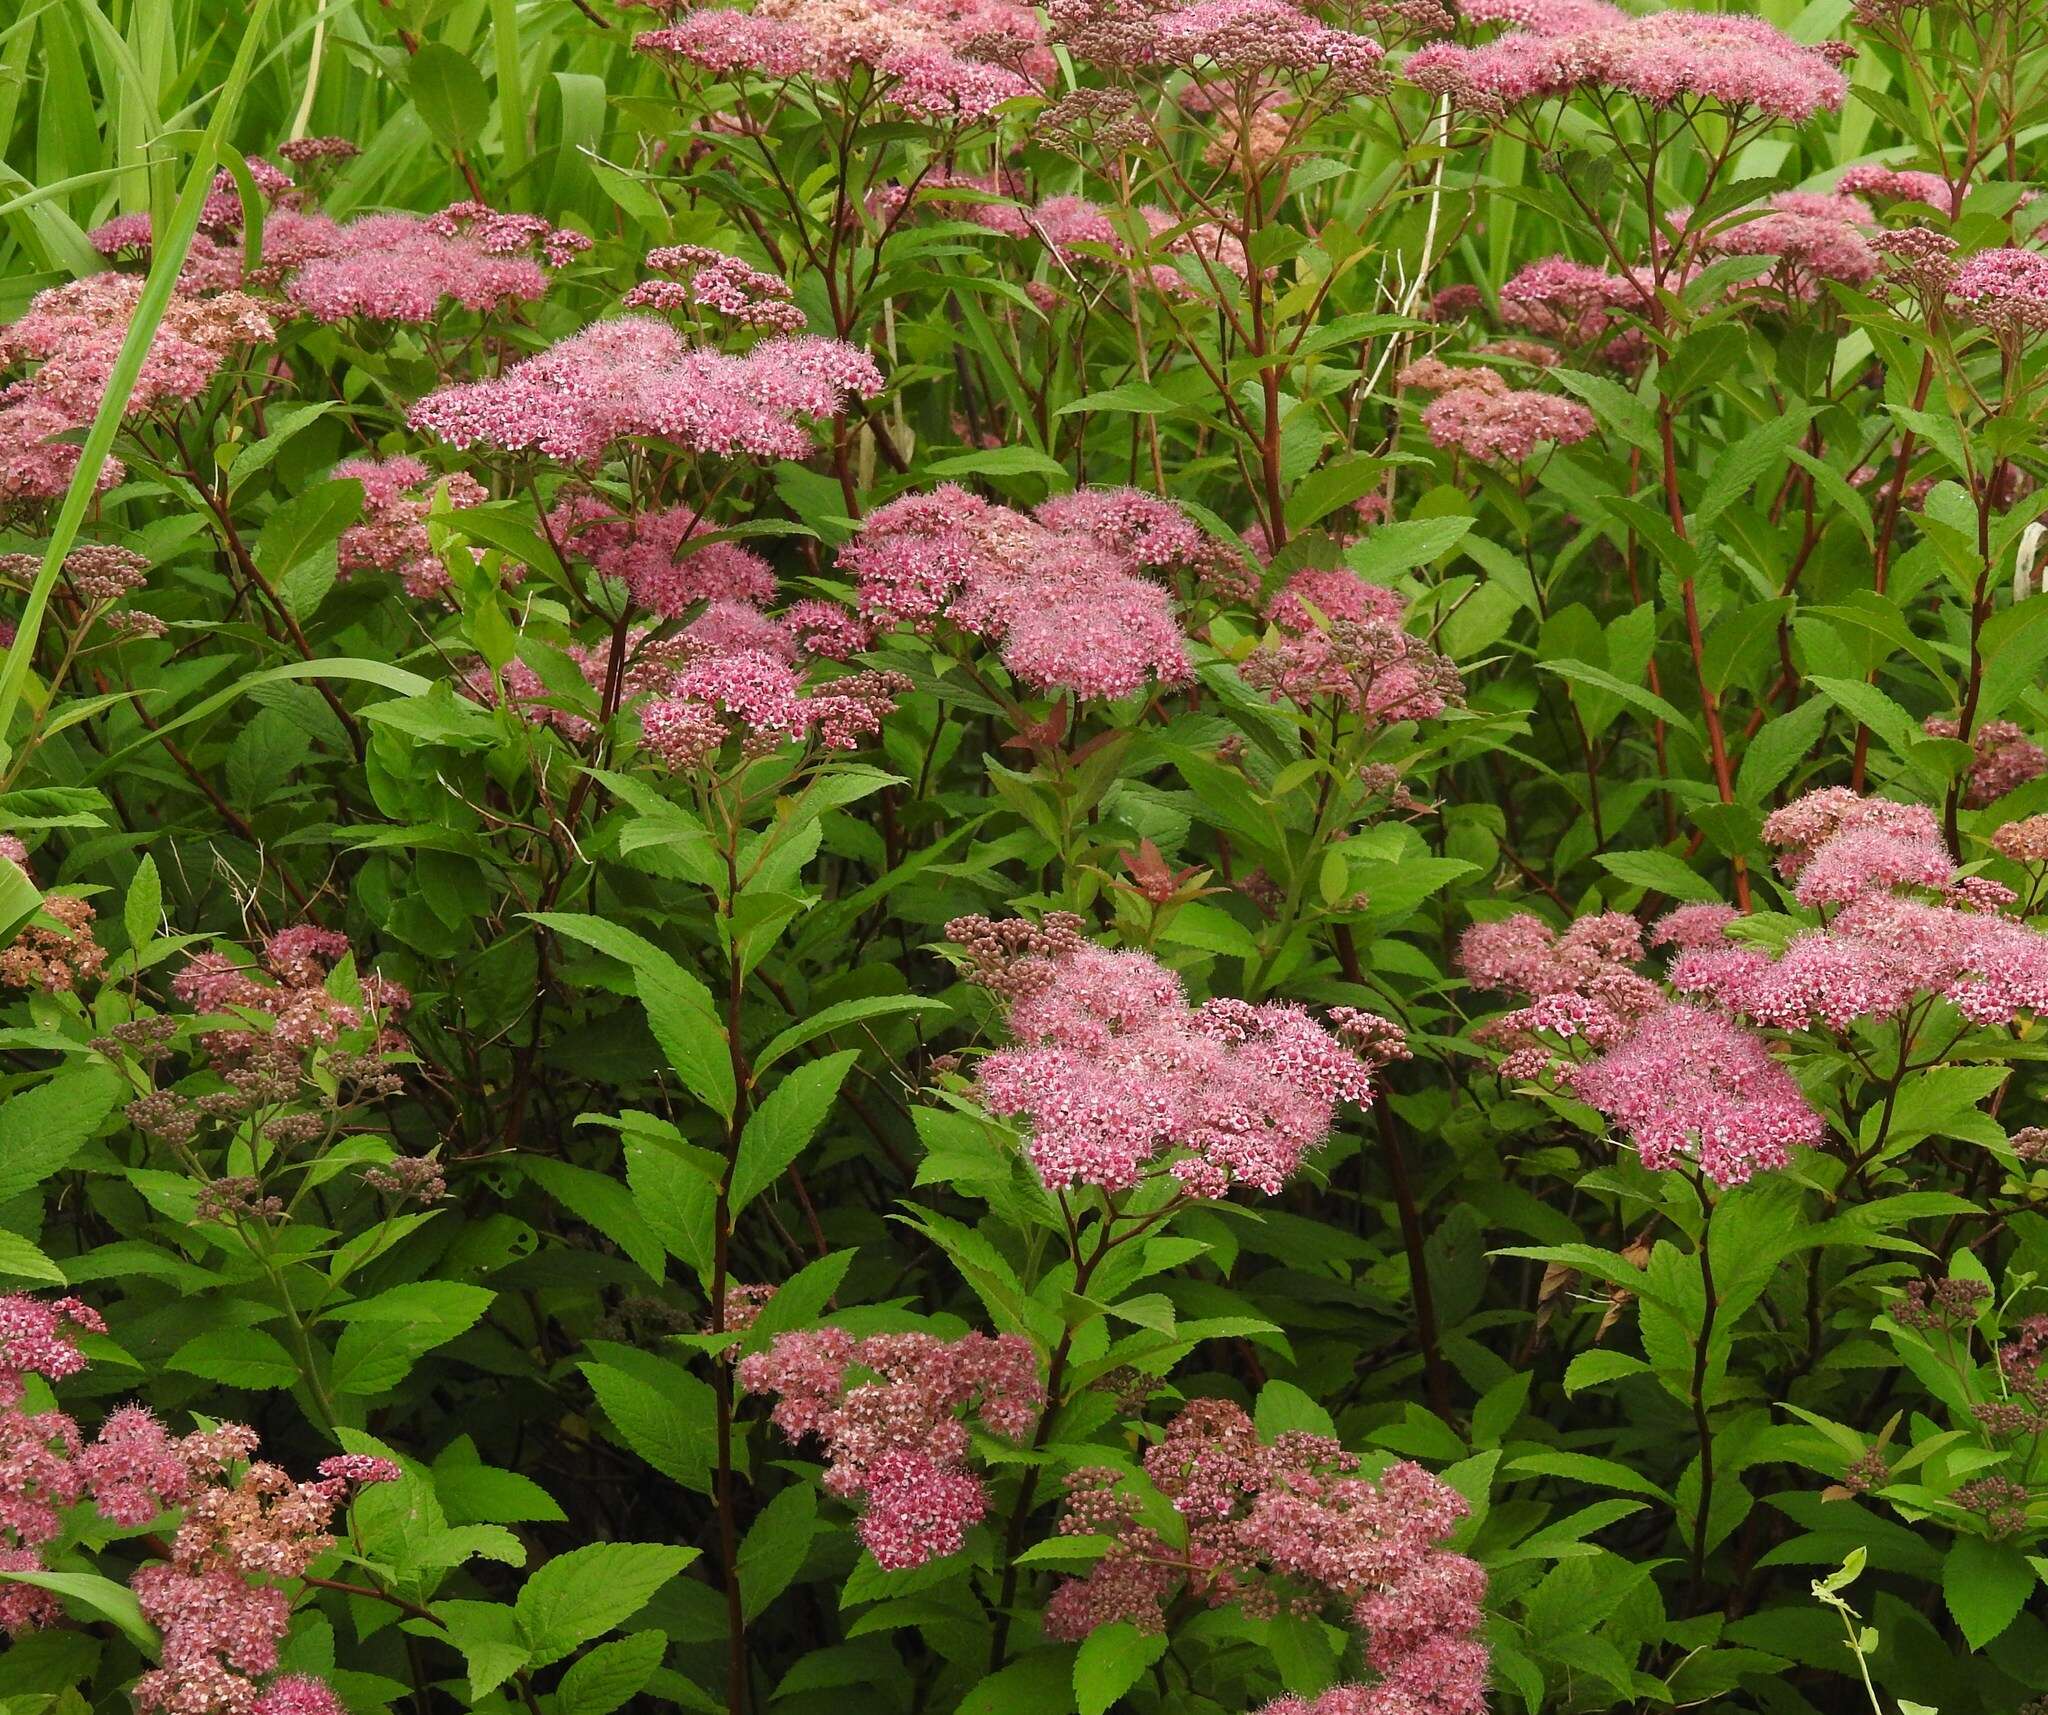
(1835, 847)
(397, 497)
(2005, 760)
(1722, 59)
(899, 1442)
(1117, 1075)
(1567, 301)
(658, 555)
(295, 998)
(1340, 639)
(635, 377)
(408, 268)
(1242, 42)
(1677, 1080)
(1810, 236)
(2003, 290)
(1896, 184)
(939, 60)
(1480, 415)
(700, 279)
(71, 336)
(1290, 1524)
(1062, 590)
(749, 693)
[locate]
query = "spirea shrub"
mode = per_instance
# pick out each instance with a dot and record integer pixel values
(1179, 856)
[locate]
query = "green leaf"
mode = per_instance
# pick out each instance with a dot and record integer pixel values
(311, 520)
(386, 1335)
(836, 1017)
(598, 1681)
(1336, 484)
(677, 1199)
(1585, 1468)
(1634, 695)
(143, 909)
(602, 1202)
(776, 1545)
(449, 93)
(20, 898)
(783, 1125)
(1770, 757)
(671, 1427)
(1139, 396)
(1004, 461)
(238, 1357)
(43, 1127)
(1985, 1584)
(1739, 468)
(1391, 549)
(1111, 1660)
(21, 1260)
(100, 1599)
(487, 1634)
(1660, 872)
(583, 1594)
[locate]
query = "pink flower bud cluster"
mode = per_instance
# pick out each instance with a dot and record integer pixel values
(1245, 42)
(1581, 985)
(635, 377)
(1118, 1077)
(1062, 591)
(756, 696)
(56, 952)
(397, 498)
(1318, 595)
(409, 268)
(1567, 301)
(1288, 1524)
(1729, 60)
(948, 61)
(71, 336)
(900, 1442)
(1835, 846)
(702, 280)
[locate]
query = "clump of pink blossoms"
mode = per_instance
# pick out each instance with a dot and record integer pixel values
(1118, 1077)
(1809, 236)
(1339, 639)
(397, 498)
(1289, 1525)
(408, 268)
(1062, 591)
(290, 988)
(659, 555)
(64, 346)
(1679, 1081)
(940, 60)
(1731, 60)
(900, 1442)
(1897, 184)
(1238, 42)
(635, 377)
(1480, 415)
(2005, 291)
(756, 696)
(2005, 760)
(698, 279)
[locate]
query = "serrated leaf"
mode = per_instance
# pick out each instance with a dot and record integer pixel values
(782, 1126)
(1111, 1660)
(583, 1594)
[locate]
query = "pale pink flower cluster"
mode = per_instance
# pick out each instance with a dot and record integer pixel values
(2005, 760)
(1687, 1083)
(1810, 236)
(1289, 1524)
(289, 988)
(658, 555)
(900, 1442)
(1571, 302)
(2003, 290)
(1480, 415)
(940, 60)
(1728, 60)
(1899, 184)
(1061, 591)
(1836, 847)
(397, 498)
(409, 268)
(1245, 42)
(700, 279)
(1118, 1077)
(1581, 985)
(1081, 233)
(635, 377)
(761, 699)
(1339, 639)
(66, 342)
(221, 1619)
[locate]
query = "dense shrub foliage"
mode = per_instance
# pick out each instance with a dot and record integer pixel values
(979, 859)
